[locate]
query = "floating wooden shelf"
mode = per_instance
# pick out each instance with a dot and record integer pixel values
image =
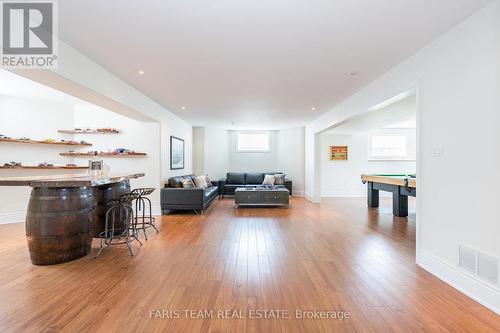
(101, 154)
(46, 142)
(55, 167)
(86, 132)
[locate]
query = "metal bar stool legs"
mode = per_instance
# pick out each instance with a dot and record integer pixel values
(140, 207)
(142, 203)
(119, 227)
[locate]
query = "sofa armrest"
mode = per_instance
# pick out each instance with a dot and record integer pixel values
(215, 182)
(221, 183)
(181, 196)
(288, 185)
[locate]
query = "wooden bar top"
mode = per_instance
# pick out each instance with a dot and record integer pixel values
(69, 180)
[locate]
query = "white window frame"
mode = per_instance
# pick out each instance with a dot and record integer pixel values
(408, 156)
(255, 149)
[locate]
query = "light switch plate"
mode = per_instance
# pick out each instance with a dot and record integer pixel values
(437, 151)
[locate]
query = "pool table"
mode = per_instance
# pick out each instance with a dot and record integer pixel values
(401, 186)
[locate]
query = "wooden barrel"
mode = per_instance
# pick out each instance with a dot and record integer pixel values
(103, 195)
(59, 224)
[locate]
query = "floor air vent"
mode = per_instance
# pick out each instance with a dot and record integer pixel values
(479, 264)
(487, 268)
(467, 259)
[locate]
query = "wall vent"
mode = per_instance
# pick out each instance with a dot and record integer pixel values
(479, 264)
(467, 259)
(487, 268)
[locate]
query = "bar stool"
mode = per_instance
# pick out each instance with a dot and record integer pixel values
(145, 221)
(119, 227)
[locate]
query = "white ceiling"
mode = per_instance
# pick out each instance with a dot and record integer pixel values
(18, 86)
(400, 114)
(257, 63)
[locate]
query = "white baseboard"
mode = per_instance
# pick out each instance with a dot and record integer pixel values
(340, 195)
(309, 197)
(382, 194)
(16, 217)
(297, 193)
(480, 291)
(156, 210)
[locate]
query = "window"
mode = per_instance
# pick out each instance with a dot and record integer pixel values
(389, 147)
(253, 142)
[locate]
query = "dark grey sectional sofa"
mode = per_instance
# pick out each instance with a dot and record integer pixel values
(174, 197)
(234, 180)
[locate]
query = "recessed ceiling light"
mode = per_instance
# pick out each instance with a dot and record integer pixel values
(141, 71)
(353, 73)
(313, 108)
(232, 123)
(183, 108)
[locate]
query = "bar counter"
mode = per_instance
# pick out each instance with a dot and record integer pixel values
(65, 212)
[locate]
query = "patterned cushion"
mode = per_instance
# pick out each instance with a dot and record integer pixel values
(200, 181)
(268, 180)
(209, 182)
(189, 177)
(279, 179)
(187, 183)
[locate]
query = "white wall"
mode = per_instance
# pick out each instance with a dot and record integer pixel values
(290, 156)
(342, 178)
(37, 120)
(457, 78)
(81, 77)
(135, 135)
(286, 154)
(252, 161)
(216, 152)
(198, 150)
(172, 125)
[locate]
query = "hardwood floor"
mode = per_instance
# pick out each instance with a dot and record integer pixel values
(339, 256)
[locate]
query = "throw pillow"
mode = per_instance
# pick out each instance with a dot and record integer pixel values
(268, 180)
(279, 179)
(187, 183)
(200, 181)
(209, 182)
(175, 182)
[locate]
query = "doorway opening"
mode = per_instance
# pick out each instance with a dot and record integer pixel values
(374, 156)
